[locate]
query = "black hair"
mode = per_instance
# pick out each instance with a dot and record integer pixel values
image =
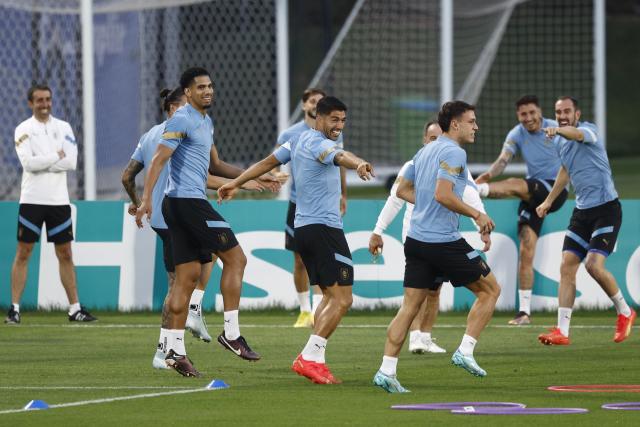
(37, 86)
(310, 92)
(328, 104)
(570, 98)
(169, 97)
(527, 99)
(189, 75)
(452, 110)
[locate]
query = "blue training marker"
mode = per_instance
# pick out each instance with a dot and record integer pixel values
(36, 404)
(217, 385)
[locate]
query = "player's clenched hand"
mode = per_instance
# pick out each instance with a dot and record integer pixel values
(132, 209)
(550, 132)
(365, 171)
(144, 208)
(226, 192)
(543, 209)
(486, 239)
(270, 182)
(483, 178)
(375, 244)
(485, 224)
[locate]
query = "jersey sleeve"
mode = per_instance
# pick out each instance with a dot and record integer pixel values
(511, 142)
(175, 131)
(392, 206)
(590, 134)
(325, 151)
(70, 148)
(409, 172)
(283, 153)
(138, 152)
(29, 161)
(452, 164)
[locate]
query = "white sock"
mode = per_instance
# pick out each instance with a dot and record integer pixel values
(305, 302)
(525, 301)
(73, 308)
(196, 300)
(414, 335)
(163, 341)
(483, 189)
(621, 305)
(314, 350)
(426, 335)
(16, 307)
(564, 320)
(317, 299)
(176, 341)
(389, 365)
(467, 345)
(231, 325)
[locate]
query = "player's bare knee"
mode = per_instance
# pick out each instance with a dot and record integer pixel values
(345, 302)
(23, 253)
(63, 252)
(594, 268)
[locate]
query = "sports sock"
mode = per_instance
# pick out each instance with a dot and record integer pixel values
(414, 335)
(163, 341)
(305, 302)
(483, 189)
(16, 307)
(176, 341)
(73, 308)
(314, 350)
(524, 298)
(196, 300)
(231, 325)
(389, 365)
(564, 320)
(317, 299)
(467, 345)
(621, 305)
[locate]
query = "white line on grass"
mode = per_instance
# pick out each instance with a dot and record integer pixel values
(288, 326)
(110, 399)
(124, 387)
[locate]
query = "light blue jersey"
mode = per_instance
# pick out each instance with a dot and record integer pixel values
(442, 159)
(291, 136)
(144, 154)
(588, 167)
(318, 180)
(537, 150)
(190, 134)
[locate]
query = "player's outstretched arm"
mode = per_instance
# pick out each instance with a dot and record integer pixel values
(496, 168)
(562, 180)
(349, 160)
(214, 182)
(129, 183)
(343, 190)
(227, 191)
(160, 158)
(446, 197)
(568, 132)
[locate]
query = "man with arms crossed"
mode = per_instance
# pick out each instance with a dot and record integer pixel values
(319, 236)
(47, 149)
(194, 226)
(434, 249)
(595, 222)
(543, 164)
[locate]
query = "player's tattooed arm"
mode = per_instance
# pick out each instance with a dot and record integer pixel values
(129, 180)
(496, 168)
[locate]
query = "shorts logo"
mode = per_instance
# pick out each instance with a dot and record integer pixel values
(484, 265)
(344, 274)
(20, 231)
(222, 237)
(605, 241)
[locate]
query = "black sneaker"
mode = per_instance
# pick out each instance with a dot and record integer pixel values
(81, 315)
(182, 364)
(239, 347)
(13, 317)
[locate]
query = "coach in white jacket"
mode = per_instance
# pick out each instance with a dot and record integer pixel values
(47, 149)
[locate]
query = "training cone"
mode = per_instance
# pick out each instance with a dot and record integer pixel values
(36, 404)
(217, 384)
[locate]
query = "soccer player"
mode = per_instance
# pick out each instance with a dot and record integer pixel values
(310, 99)
(420, 340)
(171, 101)
(543, 164)
(194, 227)
(47, 149)
(434, 249)
(595, 222)
(319, 237)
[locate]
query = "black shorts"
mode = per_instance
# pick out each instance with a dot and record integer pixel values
(289, 238)
(167, 250)
(195, 228)
(539, 190)
(57, 219)
(594, 229)
(326, 255)
(428, 265)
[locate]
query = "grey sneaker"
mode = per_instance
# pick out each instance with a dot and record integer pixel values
(196, 323)
(389, 383)
(467, 363)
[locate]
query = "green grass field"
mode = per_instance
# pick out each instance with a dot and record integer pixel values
(47, 358)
